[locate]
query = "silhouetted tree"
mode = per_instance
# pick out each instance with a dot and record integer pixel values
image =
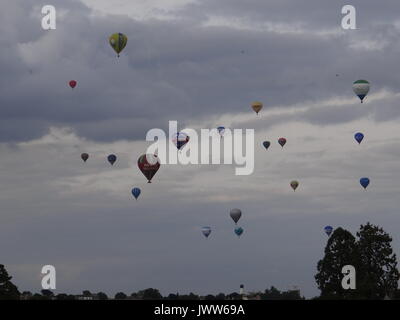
(271, 294)
(372, 257)
(234, 296)
(220, 296)
(38, 296)
(150, 294)
(340, 250)
(47, 294)
(120, 296)
(8, 291)
(378, 274)
(86, 293)
(172, 296)
(102, 296)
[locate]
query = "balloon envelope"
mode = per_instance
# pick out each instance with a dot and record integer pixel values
(149, 165)
(328, 230)
(359, 137)
(282, 141)
(235, 214)
(72, 84)
(361, 88)
(239, 231)
(118, 42)
(112, 158)
(266, 144)
(180, 139)
(136, 192)
(206, 231)
(364, 182)
(221, 131)
(84, 156)
(294, 184)
(257, 106)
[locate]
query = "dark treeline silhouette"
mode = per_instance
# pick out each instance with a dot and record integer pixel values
(8, 291)
(154, 294)
(370, 253)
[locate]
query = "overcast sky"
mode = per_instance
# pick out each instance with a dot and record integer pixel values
(201, 63)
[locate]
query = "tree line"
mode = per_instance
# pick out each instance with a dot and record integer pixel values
(370, 253)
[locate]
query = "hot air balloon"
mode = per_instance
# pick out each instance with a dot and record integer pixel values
(364, 182)
(221, 131)
(180, 139)
(72, 84)
(328, 230)
(257, 106)
(359, 137)
(206, 231)
(361, 88)
(294, 184)
(149, 165)
(118, 42)
(112, 158)
(136, 192)
(266, 144)
(239, 231)
(235, 214)
(282, 141)
(84, 157)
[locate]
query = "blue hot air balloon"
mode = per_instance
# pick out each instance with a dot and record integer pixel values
(112, 158)
(266, 144)
(136, 192)
(206, 231)
(359, 137)
(364, 182)
(239, 231)
(328, 230)
(221, 131)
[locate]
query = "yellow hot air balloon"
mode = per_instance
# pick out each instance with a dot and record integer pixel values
(257, 106)
(118, 42)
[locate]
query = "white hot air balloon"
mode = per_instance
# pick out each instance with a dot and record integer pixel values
(361, 88)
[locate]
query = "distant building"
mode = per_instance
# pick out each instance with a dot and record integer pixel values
(83, 297)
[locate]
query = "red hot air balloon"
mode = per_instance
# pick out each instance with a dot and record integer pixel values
(282, 141)
(72, 84)
(149, 165)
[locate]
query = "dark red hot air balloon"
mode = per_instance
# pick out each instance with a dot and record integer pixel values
(84, 156)
(282, 141)
(149, 165)
(72, 84)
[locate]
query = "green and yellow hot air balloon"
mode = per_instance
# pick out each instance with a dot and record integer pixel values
(118, 42)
